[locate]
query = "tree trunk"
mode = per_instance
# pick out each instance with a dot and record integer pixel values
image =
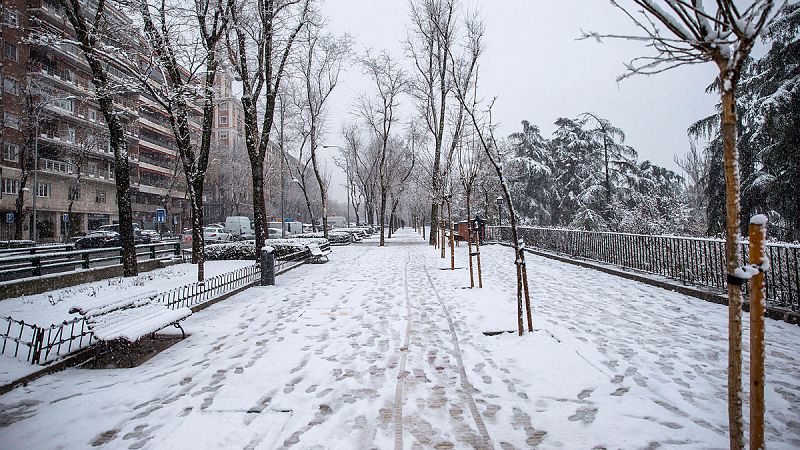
(19, 204)
(382, 215)
(452, 240)
(198, 240)
(735, 421)
(469, 243)
(259, 207)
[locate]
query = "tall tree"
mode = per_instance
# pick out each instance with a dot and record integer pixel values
(379, 114)
(260, 44)
(188, 63)
(319, 65)
(724, 35)
(94, 25)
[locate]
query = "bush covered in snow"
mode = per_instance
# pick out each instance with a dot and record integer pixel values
(247, 249)
(334, 236)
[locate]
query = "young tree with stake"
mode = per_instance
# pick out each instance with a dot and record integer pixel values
(723, 34)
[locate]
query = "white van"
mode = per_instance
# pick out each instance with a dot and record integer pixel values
(238, 226)
(290, 227)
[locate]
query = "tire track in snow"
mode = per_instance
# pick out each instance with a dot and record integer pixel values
(466, 387)
(401, 373)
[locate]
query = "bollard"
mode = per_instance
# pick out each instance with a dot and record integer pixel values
(267, 266)
(757, 256)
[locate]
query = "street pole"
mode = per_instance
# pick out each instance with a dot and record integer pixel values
(283, 183)
(35, 178)
(348, 192)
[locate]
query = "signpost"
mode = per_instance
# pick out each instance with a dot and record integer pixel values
(161, 217)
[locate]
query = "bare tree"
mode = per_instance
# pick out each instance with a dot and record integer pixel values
(484, 131)
(469, 165)
(188, 62)
(259, 45)
(432, 36)
(723, 34)
(319, 65)
(379, 113)
(92, 22)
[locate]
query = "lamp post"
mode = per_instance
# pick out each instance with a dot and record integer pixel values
(34, 235)
(499, 210)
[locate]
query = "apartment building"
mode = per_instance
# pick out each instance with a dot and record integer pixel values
(53, 128)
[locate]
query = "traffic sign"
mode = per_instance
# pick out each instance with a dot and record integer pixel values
(161, 215)
(65, 217)
(10, 217)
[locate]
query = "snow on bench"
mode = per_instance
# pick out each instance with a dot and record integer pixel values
(317, 253)
(129, 318)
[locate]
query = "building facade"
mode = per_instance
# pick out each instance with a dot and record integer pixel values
(55, 148)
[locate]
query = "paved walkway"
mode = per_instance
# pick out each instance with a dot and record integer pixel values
(380, 348)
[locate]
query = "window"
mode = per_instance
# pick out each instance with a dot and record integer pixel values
(12, 121)
(11, 86)
(110, 168)
(11, 152)
(93, 115)
(10, 186)
(10, 51)
(43, 190)
(65, 104)
(100, 197)
(75, 193)
(223, 106)
(223, 135)
(11, 18)
(67, 75)
(92, 168)
(223, 120)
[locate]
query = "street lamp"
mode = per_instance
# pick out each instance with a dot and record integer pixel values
(499, 210)
(34, 236)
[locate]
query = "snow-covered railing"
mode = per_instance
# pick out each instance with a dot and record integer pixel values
(41, 345)
(699, 261)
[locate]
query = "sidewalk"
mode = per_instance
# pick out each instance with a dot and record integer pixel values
(380, 348)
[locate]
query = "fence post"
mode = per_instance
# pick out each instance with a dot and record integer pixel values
(757, 256)
(267, 266)
(37, 266)
(38, 336)
(85, 263)
(177, 249)
(152, 251)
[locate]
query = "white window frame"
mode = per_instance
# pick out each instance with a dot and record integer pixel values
(11, 85)
(223, 122)
(12, 120)
(100, 196)
(43, 190)
(11, 18)
(16, 51)
(11, 152)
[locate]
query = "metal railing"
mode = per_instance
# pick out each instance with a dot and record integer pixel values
(41, 345)
(699, 261)
(34, 264)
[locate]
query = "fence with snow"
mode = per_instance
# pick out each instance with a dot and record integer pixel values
(699, 261)
(41, 345)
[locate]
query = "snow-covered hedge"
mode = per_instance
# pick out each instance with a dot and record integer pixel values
(231, 250)
(334, 236)
(247, 249)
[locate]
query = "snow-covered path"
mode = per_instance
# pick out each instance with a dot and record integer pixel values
(380, 348)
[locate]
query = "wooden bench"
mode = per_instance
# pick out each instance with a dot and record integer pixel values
(129, 318)
(317, 253)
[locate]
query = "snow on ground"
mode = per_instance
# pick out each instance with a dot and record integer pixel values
(379, 348)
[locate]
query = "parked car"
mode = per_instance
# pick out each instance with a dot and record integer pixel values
(98, 239)
(153, 234)
(138, 237)
(215, 234)
(273, 233)
(186, 236)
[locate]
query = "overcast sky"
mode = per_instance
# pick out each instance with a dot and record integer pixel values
(539, 71)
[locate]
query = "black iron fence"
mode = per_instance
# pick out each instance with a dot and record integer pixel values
(699, 261)
(34, 264)
(40, 345)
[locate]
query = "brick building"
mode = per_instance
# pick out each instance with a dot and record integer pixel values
(47, 108)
